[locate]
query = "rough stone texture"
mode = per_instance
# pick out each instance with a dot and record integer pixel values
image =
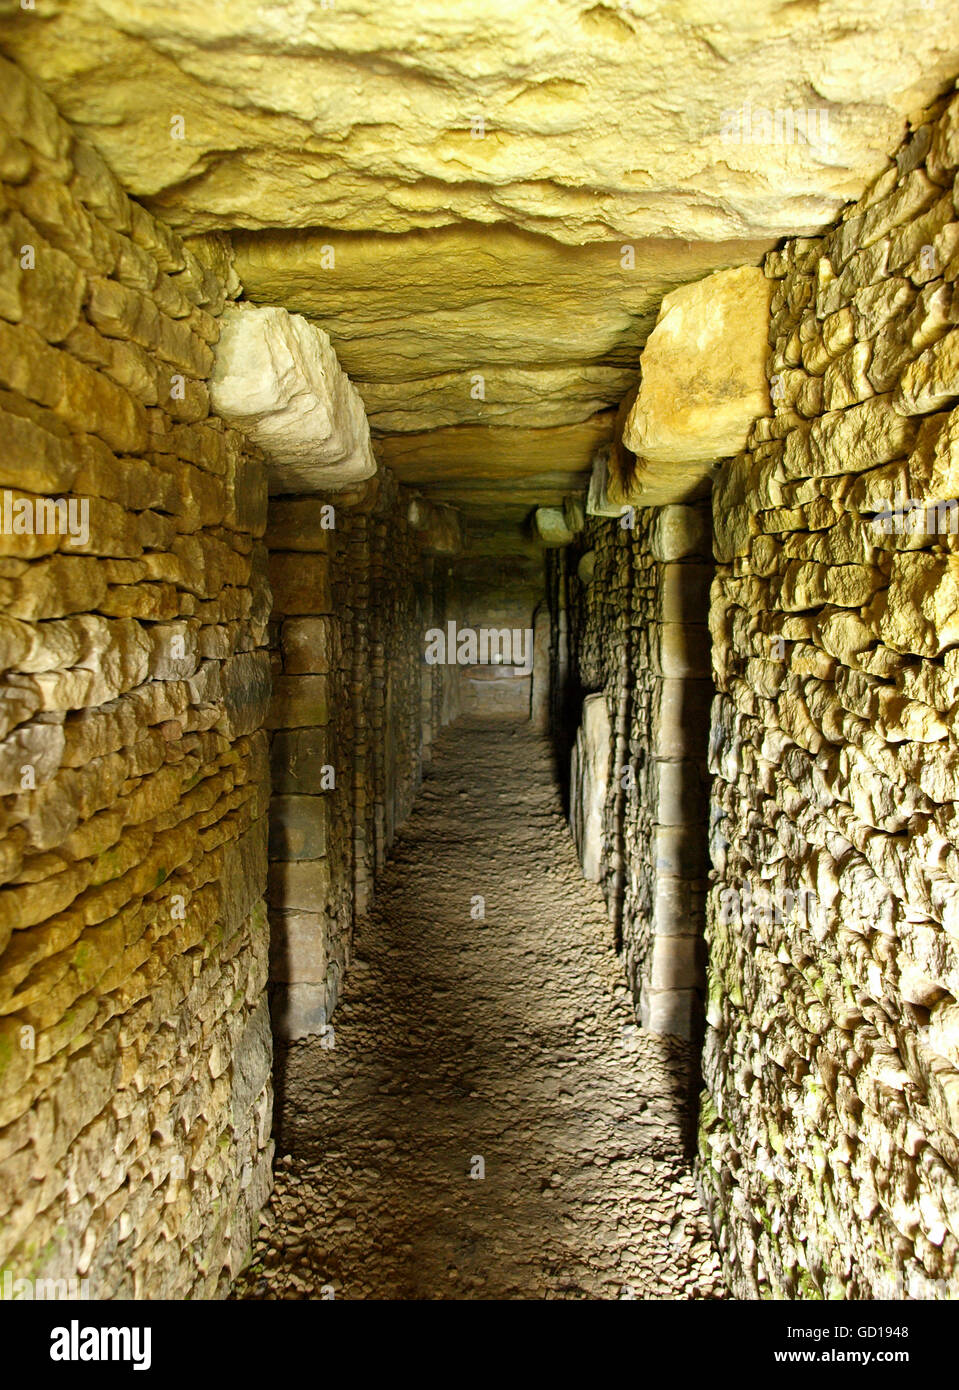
(439, 529)
(481, 469)
(551, 527)
(703, 381)
(637, 635)
(135, 1092)
(521, 183)
(579, 1116)
(830, 1128)
(289, 123)
(354, 707)
(277, 378)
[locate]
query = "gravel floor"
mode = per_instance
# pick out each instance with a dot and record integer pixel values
(489, 1123)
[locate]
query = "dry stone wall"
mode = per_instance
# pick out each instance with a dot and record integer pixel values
(354, 705)
(134, 1035)
(830, 1126)
(638, 599)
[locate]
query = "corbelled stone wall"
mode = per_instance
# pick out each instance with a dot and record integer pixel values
(830, 1133)
(637, 637)
(134, 1036)
(354, 705)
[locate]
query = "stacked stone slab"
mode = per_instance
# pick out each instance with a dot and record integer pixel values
(830, 1126)
(134, 1035)
(354, 702)
(435, 706)
(311, 888)
(640, 638)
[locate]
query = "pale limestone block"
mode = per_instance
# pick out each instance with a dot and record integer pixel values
(276, 376)
(703, 371)
(672, 1011)
(298, 947)
(589, 777)
(551, 527)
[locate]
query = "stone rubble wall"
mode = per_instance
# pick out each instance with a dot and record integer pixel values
(354, 706)
(830, 1124)
(135, 1050)
(639, 599)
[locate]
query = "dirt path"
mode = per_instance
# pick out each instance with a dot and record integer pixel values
(504, 1045)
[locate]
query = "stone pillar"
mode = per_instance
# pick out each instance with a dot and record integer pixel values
(540, 689)
(588, 784)
(310, 887)
(674, 777)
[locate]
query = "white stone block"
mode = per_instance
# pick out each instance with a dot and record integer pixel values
(589, 780)
(551, 526)
(277, 378)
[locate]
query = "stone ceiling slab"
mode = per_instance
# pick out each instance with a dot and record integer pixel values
(484, 204)
(504, 506)
(583, 120)
(473, 325)
(499, 457)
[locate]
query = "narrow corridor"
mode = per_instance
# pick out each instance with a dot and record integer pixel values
(479, 663)
(507, 1039)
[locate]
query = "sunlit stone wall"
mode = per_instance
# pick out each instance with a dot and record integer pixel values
(135, 1044)
(638, 596)
(830, 1128)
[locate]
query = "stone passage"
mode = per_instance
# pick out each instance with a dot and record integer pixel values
(502, 1045)
(610, 405)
